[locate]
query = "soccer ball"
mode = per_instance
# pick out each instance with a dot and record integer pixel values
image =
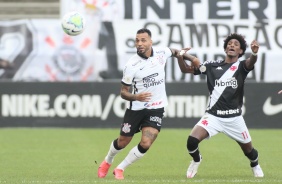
(73, 23)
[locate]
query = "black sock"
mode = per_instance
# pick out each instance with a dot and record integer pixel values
(193, 149)
(116, 145)
(253, 157)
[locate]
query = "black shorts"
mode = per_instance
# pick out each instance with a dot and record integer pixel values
(134, 121)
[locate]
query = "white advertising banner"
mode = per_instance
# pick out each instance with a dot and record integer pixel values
(41, 51)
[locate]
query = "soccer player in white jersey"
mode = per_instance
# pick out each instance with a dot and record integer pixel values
(143, 85)
(225, 81)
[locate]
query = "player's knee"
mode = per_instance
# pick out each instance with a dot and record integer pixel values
(192, 143)
(253, 155)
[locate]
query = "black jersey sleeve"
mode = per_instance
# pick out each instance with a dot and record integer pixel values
(244, 67)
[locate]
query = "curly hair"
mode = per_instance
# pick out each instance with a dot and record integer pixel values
(240, 38)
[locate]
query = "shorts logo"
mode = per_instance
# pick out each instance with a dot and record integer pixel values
(205, 122)
(156, 119)
(126, 127)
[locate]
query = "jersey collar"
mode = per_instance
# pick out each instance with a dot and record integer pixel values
(142, 56)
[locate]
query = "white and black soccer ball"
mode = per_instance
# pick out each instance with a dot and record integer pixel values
(73, 23)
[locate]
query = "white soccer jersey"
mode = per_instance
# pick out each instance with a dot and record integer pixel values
(147, 75)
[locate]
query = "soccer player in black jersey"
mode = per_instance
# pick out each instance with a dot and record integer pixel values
(225, 81)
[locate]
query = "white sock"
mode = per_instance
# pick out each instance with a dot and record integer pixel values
(111, 154)
(132, 157)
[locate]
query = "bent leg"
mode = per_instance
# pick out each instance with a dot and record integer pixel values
(116, 146)
(123, 141)
(198, 133)
(149, 135)
(252, 154)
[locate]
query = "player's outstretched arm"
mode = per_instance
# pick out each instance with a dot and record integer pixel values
(184, 67)
(250, 62)
(194, 60)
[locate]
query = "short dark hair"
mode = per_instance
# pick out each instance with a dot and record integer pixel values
(144, 30)
(240, 38)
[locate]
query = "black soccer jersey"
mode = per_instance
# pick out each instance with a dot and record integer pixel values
(226, 86)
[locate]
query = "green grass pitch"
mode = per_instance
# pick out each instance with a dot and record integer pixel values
(63, 156)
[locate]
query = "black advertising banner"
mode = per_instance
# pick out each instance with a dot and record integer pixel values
(98, 105)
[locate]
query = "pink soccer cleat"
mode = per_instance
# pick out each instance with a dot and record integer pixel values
(103, 169)
(118, 174)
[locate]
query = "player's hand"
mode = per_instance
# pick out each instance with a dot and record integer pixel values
(182, 51)
(143, 97)
(255, 46)
(280, 92)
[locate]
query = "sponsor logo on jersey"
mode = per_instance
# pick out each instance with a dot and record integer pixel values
(227, 83)
(271, 109)
(156, 119)
(151, 81)
(150, 76)
(227, 112)
(160, 52)
(153, 104)
(212, 61)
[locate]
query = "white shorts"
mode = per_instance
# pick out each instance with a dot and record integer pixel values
(234, 127)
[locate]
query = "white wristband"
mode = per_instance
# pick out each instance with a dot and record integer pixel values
(254, 54)
(182, 52)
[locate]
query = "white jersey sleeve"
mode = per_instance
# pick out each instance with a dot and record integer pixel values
(130, 70)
